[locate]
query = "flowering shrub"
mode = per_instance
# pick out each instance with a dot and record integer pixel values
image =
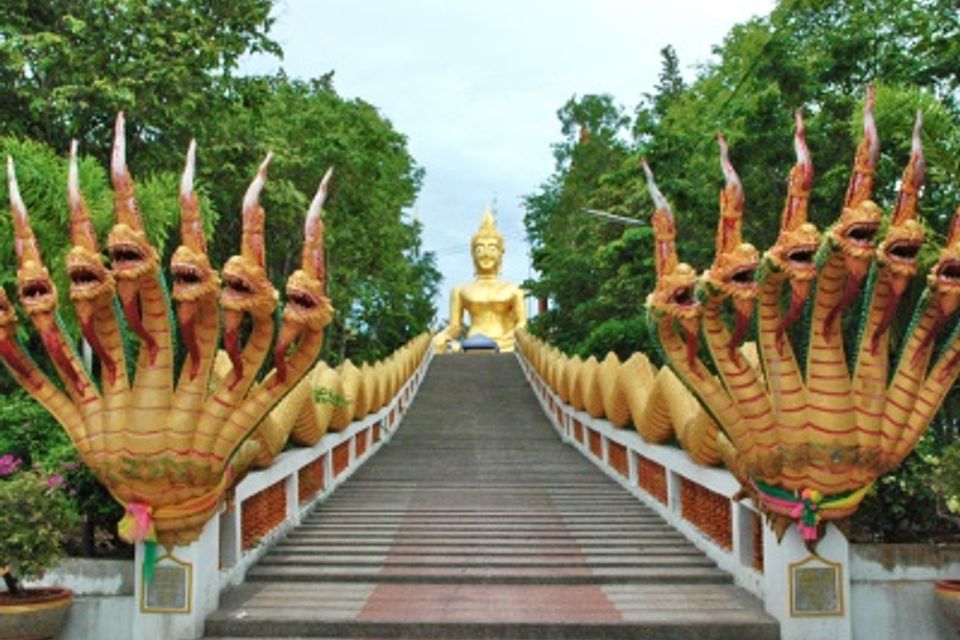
(35, 518)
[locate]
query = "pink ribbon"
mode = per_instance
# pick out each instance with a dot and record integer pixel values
(137, 524)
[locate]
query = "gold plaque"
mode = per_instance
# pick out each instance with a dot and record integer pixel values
(816, 588)
(171, 589)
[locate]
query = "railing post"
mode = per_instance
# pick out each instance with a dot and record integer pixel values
(185, 588)
(808, 593)
(743, 524)
(230, 542)
(291, 487)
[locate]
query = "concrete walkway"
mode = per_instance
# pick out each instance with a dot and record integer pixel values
(477, 522)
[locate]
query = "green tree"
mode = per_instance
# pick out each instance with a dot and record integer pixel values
(68, 67)
(380, 282)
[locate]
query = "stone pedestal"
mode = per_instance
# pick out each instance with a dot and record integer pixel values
(184, 591)
(809, 594)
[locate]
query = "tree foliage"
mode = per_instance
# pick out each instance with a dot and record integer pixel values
(67, 68)
(814, 55)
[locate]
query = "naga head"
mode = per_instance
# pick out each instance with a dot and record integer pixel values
(131, 254)
(676, 281)
(91, 283)
(897, 253)
(735, 262)
(901, 244)
(89, 277)
(132, 257)
(38, 294)
(856, 229)
(796, 246)
(194, 280)
(944, 278)
(308, 307)
(246, 287)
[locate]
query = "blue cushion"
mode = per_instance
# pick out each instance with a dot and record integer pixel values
(479, 342)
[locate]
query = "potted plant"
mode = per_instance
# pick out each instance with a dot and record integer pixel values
(947, 485)
(35, 518)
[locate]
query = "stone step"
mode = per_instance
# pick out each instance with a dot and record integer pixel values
(490, 575)
(402, 536)
(476, 522)
(337, 549)
(431, 611)
(388, 560)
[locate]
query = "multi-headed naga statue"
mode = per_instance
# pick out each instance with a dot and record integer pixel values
(808, 442)
(167, 445)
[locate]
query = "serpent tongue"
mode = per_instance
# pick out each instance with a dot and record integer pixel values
(799, 292)
(14, 359)
(289, 332)
(690, 331)
(856, 270)
(131, 311)
(91, 336)
(231, 342)
(187, 320)
(897, 287)
(743, 311)
(58, 353)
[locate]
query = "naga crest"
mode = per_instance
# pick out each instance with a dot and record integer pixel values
(808, 442)
(167, 445)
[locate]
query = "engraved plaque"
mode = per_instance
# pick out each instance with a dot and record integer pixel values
(171, 589)
(816, 588)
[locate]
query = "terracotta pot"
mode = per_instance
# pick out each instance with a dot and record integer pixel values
(948, 599)
(37, 615)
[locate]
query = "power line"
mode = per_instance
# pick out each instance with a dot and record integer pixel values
(615, 218)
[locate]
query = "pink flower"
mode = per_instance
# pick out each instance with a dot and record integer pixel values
(55, 481)
(9, 463)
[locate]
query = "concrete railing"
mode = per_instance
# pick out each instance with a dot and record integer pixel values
(270, 502)
(703, 504)
(111, 596)
(699, 501)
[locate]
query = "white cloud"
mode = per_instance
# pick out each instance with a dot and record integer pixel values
(475, 86)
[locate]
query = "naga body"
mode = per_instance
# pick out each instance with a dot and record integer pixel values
(166, 445)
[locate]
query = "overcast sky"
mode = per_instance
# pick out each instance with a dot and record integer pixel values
(475, 87)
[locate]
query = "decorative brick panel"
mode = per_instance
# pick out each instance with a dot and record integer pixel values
(617, 458)
(578, 431)
(261, 513)
(376, 433)
(652, 478)
(758, 542)
(596, 447)
(708, 511)
(341, 458)
(310, 479)
(361, 446)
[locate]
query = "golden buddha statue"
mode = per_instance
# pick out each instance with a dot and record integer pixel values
(496, 307)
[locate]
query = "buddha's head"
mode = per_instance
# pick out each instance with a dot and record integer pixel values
(486, 246)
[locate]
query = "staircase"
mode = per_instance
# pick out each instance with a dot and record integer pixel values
(477, 522)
